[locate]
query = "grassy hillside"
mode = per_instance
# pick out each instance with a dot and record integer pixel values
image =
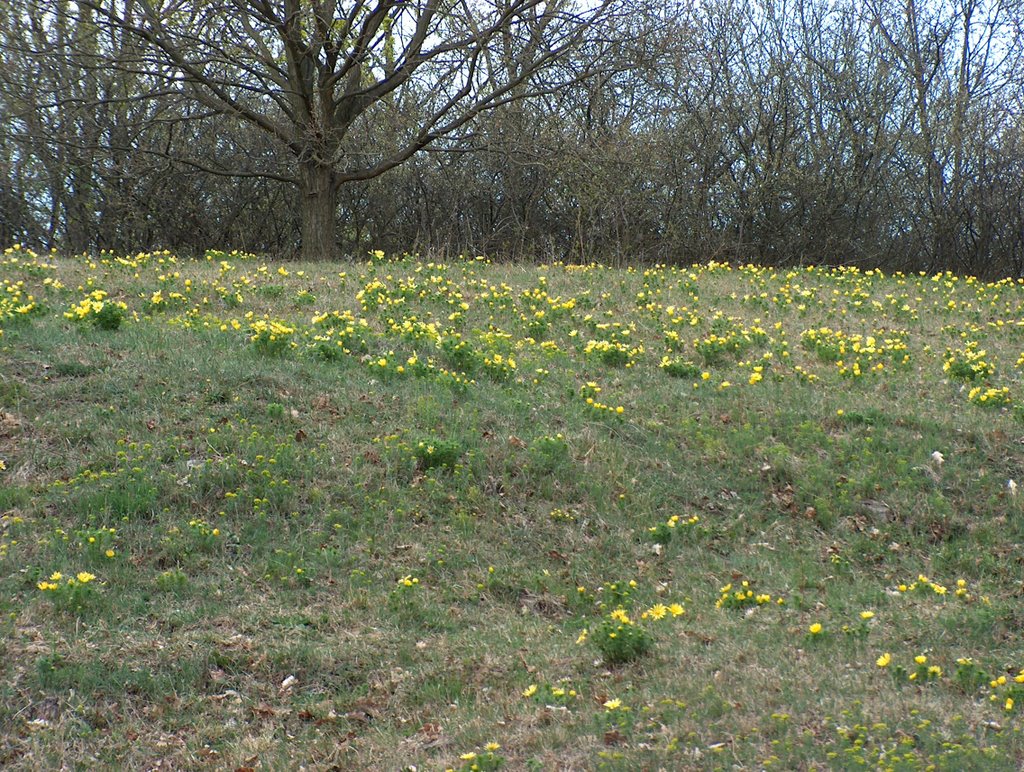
(397, 513)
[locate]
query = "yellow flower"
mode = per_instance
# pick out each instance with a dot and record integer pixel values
(676, 610)
(582, 636)
(491, 747)
(658, 611)
(620, 616)
(815, 629)
(867, 614)
(1009, 703)
(530, 690)
(85, 577)
(110, 553)
(884, 660)
(468, 756)
(920, 659)
(56, 576)
(613, 704)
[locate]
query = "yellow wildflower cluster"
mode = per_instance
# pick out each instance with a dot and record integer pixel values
(620, 638)
(70, 592)
(613, 353)
(744, 596)
(968, 363)
(990, 396)
(922, 583)
(97, 309)
(56, 578)
(271, 336)
(500, 367)
(856, 355)
(678, 367)
(15, 301)
(589, 392)
(559, 693)
(663, 532)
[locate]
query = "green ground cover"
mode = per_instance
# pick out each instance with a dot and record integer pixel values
(457, 515)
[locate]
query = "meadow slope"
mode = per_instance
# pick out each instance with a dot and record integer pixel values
(456, 515)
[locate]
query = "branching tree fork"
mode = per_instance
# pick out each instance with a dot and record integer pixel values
(316, 74)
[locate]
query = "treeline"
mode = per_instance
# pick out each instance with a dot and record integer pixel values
(871, 133)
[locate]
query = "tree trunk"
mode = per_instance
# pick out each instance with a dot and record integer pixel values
(79, 214)
(318, 205)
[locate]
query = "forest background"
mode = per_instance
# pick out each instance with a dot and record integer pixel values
(879, 134)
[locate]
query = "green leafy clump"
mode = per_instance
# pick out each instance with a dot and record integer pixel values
(434, 452)
(620, 639)
(269, 337)
(69, 593)
(109, 317)
(548, 454)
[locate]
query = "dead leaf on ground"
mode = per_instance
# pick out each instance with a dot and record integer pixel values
(427, 737)
(264, 711)
(324, 404)
(10, 424)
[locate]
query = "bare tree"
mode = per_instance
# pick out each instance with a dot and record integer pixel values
(315, 74)
(956, 59)
(779, 131)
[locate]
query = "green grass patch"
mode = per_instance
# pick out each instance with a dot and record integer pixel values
(395, 513)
